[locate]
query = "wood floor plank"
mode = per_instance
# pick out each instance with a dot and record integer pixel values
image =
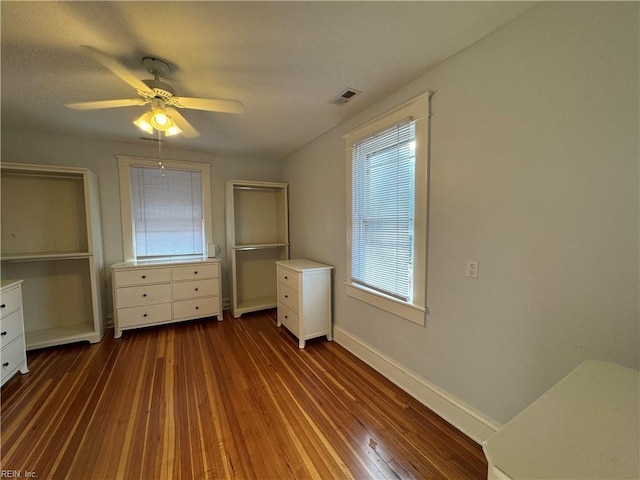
(235, 399)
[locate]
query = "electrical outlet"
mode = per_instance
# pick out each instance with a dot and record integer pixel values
(472, 269)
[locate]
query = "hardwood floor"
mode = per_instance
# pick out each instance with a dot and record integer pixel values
(230, 399)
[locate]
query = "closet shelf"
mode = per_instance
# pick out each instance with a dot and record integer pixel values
(49, 337)
(29, 257)
(260, 246)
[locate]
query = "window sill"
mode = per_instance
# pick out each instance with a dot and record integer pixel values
(413, 313)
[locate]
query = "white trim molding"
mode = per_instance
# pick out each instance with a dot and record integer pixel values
(465, 418)
(419, 111)
(405, 310)
(125, 163)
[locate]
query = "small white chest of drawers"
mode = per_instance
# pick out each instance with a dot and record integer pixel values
(154, 293)
(304, 298)
(13, 355)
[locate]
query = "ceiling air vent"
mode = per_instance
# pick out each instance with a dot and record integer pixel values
(346, 96)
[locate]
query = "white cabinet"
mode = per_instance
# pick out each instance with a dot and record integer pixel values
(304, 298)
(257, 236)
(13, 354)
(51, 239)
(585, 426)
(157, 292)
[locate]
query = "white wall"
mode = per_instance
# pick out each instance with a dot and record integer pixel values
(534, 172)
(99, 157)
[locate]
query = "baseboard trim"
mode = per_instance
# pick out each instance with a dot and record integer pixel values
(465, 418)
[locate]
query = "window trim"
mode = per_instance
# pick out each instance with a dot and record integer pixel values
(418, 109)
(126, 212)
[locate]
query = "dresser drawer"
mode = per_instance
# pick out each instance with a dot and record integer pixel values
(11, 327)
(288, 278)
(201, 307)
(144, 315)
(195, 289)
(142, 276)
(13, 357)
(10, 302)
(289, 319)
(288, 297)
(143, 295)
(194, 272)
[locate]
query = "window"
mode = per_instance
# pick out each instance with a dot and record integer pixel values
(382, 211)
(387, 188)
(166, 210)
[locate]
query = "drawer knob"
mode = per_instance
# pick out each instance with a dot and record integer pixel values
(3, 305)
(197, 308)
(3, 333)
(286, 316)
(286, 296)
(144, 276)
(144, 315)
(286, 278)
(144, 294)
(196, 289)
(5, 364)
(195, 273)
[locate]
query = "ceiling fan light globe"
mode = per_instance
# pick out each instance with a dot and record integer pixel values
(173, 130)
(160, 120)
(144, 122)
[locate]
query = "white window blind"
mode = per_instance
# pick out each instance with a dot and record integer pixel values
(383, 191)
(167, 212)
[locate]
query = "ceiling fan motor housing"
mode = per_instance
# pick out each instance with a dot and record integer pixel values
(161, 89)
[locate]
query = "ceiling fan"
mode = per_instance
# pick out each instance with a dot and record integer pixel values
(163, 115)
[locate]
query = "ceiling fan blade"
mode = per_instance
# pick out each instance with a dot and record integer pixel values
(208, 104)
(118, 69)
(125, 102)
(187, 129)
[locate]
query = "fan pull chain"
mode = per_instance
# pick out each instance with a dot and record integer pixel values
(160, 164)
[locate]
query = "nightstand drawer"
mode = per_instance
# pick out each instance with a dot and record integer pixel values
(142, 276)
(194, 272)
(145, 315)
(289, 319)
(10, 302)
(13, 357)
(288, 278)
(288, 297)
(143, 295)
(201, 307)
(11, 327)
(195, 289)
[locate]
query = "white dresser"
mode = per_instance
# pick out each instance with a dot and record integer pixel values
(304, 298)
(157, 292)
(13, 354)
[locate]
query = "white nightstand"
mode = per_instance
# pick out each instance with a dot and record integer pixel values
(13, 354)
(304, 298)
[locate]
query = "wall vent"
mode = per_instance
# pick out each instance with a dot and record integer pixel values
(346, 96)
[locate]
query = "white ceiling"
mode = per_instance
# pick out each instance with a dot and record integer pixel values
(285, 61)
